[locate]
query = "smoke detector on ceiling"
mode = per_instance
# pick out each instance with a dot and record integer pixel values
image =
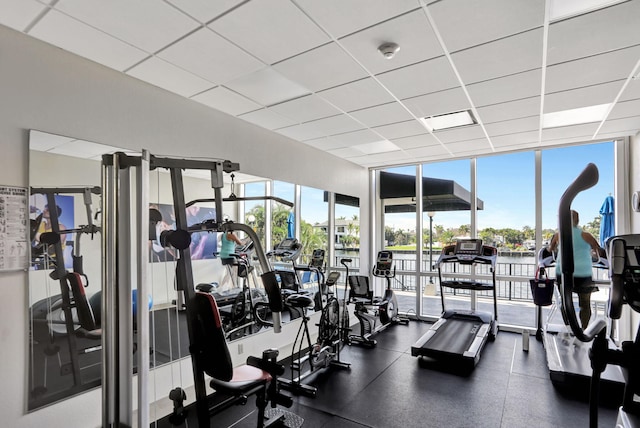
(388, 50)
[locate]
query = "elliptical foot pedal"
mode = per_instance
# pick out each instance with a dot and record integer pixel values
(282, 418)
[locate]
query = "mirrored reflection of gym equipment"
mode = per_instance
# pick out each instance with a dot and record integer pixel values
(67, 315)
(209, 353)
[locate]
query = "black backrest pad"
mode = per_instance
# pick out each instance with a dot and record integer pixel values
(211, 345)
(85, 315)
(359, 285)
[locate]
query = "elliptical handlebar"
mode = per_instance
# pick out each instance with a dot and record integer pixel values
(587, 179)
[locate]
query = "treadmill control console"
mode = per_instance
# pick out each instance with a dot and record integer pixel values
(289, 249)
(468, 251)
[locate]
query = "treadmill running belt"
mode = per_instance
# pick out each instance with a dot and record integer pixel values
(455, 336)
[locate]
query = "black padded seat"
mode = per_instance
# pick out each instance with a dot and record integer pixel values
(300, 300)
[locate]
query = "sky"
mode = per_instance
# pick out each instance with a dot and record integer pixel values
(505, 185)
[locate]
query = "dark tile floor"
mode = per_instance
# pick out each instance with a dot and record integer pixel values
(387, 387)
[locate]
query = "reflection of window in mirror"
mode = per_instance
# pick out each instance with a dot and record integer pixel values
(347, 230)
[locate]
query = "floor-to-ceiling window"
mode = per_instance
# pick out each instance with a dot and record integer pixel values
(314, 215)
(254, 211)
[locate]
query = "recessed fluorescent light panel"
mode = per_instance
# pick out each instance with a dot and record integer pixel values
(449, 120)
(575, 116)
(562, 9)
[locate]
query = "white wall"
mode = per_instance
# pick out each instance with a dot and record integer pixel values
(47, 89)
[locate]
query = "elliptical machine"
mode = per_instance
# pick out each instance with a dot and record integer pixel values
(326, 351)
(374, 313)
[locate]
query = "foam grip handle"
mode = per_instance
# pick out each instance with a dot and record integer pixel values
(179, 239)
(616, 268)
(270, 283)
(274, 369)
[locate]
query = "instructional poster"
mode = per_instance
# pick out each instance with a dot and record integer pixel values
(14, 220)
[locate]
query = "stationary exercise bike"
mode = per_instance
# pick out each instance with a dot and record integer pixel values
(326, 351)
(374, 313)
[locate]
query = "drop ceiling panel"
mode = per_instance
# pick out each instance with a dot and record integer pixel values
(302, 132)
(271, 30)
(626, 126)
(514, 126)
(337, 125)
(341, 17)
(401, 129)
(632, 91)
(321, 68)
(383, 146)
(267, 87)
(355, 138)
(148, 24)
(305, 109)
(521, 138)
(438, 103)
(226, 100)
(625, 109)
(422, 78)
(357, 95)
(462, 133)
(582, 97)
(521, 52)
(381, 159)
(346, 152)
(204, 10)
(382, 115)
(411, 32)
(82, 149)
(326, 143)
(592, 70)
(427, 152)
(509, 110)
(469, 23)
(510, 88)
(585, 131)
(18, 14)
(43, 141)
(81, 39)
(415, 141)
(585, 35)
(267, 119)
(470, 147)
(167, 76)
(211, 57)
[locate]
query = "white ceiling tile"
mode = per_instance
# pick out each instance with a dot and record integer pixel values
(463, 23)
(382, 115)
(337, 125)
(349, 139)
(340, 17)
(43, 141)
(438, 103)
(357, 95)
(81, 39)
(426, 152)
(227, 101)
(509, 110)
(305, 109)
(211, 57)
(271, 30)
(509, 88)
(470, 147)
(462, 133)
(411, 32)
(326, 143)
(204, 10)
(345, 152)
(625, 109)
(592, 70)
(377, 147)
(585, 131)
(632, 91)
(401, 129)
(147, 24)
(582, 97)
(625, 126)
(423, 140)
(585, 35)
(18, 14)
(302, 132)
(521, 52)
(160, 73)
(321, 68)
(267, 87)
(380, 159)
(513, 126)
(82, 149)
(519, 139)
(267, 119)
(422, 78)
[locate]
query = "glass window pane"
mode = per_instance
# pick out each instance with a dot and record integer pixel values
(347, 235)
(314, 222)
(254, 211)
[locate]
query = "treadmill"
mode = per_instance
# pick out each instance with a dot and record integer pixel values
(568, 358)
(460, 335)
